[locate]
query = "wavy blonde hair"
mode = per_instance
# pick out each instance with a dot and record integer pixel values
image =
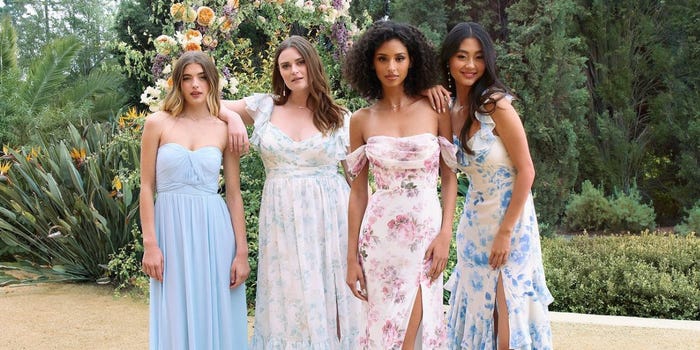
(174, 102)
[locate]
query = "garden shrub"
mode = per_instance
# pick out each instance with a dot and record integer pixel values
(649, 275)
(691, 223)
(632, 214)
(125, 267)
(589, 210)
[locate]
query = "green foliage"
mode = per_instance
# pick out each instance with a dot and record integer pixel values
(430, 16)
(691, 223)
(638, 100)
(592, 210)
(8, 46)
(452, 259)
(125, 267)
(70, 204)
(543, 64)
(631, 213)
(40, 22)
(252, 181)
(589, 210)
(46, 98)
(671, 175)
(651, 275)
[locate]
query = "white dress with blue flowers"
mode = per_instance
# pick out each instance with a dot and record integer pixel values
(302, 300)
(473, 282)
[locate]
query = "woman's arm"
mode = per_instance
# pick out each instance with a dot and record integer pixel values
(152, 262)
(512, 134)
(240, 268)
(439, 249)
(356, 211)
(234, 113)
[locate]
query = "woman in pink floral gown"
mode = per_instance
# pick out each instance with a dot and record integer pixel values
(399, 237)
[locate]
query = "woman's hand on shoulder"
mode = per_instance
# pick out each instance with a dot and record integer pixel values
(439, 97)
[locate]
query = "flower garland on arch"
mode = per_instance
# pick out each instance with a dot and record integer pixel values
(193, 25)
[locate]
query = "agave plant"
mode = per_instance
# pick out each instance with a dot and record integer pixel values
(70, 204)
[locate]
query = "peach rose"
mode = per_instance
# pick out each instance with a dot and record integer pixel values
(205, 16)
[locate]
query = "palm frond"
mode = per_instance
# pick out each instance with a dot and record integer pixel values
(48, 73)
(102, 88)
(8, 46)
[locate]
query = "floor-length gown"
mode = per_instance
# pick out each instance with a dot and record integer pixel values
(302, 300)
(473, 282)
(402, 218)
(194, 308)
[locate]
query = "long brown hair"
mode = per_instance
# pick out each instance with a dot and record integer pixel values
(174, 102)
(327, 115)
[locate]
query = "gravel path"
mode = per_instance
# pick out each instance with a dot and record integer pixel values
(79, 316)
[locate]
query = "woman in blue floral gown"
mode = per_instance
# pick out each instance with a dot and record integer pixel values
(302, 135)
(498, 296)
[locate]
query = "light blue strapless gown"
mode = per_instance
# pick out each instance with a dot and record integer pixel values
(194, 308)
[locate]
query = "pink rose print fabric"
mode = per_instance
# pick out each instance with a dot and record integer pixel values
(401, 220)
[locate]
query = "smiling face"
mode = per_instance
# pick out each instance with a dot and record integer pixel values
(391, 63)
(467, 65)
(194, 85)
(292, 68)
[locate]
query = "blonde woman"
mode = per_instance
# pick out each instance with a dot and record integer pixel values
(195, 248)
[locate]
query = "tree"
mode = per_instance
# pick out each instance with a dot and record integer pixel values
(39, 22)
(543, 66)
(671, 176)
(430, 16)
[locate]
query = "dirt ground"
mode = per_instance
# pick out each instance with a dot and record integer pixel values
(79, 316)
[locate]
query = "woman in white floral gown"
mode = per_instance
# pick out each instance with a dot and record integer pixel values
(399, 236)
(498, 293)
(301, 134)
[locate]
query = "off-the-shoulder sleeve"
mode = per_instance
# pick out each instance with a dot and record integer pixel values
(356, 161)
(449, 153)
(341, 138)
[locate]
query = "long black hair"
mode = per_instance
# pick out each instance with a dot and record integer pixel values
(484, 94)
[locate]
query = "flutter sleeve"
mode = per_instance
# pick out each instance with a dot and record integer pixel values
(259, 106)
(341, 139)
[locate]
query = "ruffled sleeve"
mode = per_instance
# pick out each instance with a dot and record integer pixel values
(448, 151)
(341, 138)
(483, 138)
(356, 161)
(259, 106)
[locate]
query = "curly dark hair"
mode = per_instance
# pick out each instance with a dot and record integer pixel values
(358, 68)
